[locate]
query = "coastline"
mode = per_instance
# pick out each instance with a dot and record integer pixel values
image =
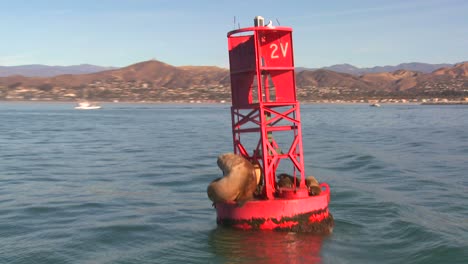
(446, 103)
(330, 102)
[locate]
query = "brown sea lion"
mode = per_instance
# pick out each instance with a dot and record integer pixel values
(258, 172)
(239, 181)
(313, 185)
(259, 176)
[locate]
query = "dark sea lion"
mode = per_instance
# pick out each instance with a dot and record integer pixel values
(286, 180)
(239, 181)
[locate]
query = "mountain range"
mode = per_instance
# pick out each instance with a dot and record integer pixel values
(412, 66)
(39, 70)
(157, 81)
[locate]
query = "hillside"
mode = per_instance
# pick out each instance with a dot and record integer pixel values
(38, 70)
(160, 82)
(449, 82)
(145, 81)
(412, 66)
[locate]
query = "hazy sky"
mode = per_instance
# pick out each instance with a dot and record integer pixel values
(364, 33)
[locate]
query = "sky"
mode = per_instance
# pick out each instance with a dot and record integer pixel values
(364, 33)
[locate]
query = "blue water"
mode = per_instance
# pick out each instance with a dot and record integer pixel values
(127, 184)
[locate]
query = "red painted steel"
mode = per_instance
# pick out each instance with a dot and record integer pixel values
(308, 214)
(264, 111)
(264, 100)
(276, 208)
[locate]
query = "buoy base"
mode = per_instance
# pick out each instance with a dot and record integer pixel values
(300, 223)
(307, 214)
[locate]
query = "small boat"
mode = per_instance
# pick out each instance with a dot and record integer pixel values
(87, 106)
(375, 105)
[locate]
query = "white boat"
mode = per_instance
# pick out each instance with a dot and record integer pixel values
(375, 105)
(87, 106)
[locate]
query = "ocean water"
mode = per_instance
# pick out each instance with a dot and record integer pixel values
(127, 184)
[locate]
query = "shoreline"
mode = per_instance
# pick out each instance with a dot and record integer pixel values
(446, 103)
(229, 103)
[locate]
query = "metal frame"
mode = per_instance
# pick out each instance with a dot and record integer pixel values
(267, 115)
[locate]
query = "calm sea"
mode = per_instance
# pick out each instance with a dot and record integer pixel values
(127, 184)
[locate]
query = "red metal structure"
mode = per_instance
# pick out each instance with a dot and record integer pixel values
(266, 129)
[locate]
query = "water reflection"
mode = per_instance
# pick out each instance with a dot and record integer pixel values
(235, 246)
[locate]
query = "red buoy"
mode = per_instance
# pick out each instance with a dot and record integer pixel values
(266, 130)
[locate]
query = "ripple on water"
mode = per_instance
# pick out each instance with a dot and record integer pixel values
(265, 247)
(128, 185)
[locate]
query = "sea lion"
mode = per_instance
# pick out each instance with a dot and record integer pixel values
(313, 185)
(259, 176)
(258, 172)
(286, 180)
(239, 181)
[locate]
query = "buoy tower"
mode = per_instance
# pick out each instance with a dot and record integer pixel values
(266, 130)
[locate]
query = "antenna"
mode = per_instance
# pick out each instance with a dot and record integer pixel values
(277, 21)
(234, 22)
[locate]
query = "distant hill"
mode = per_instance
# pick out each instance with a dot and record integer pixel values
(38, 70)
(328, 78)
(145, 81)
(160, 82)
(156, 73)
(413, 66)
(449, 81)
(458, 71)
